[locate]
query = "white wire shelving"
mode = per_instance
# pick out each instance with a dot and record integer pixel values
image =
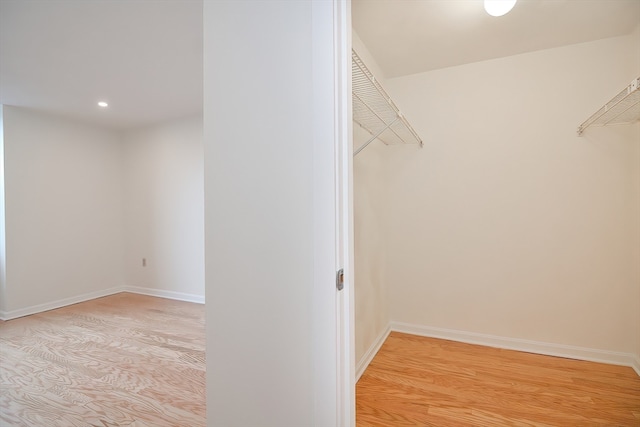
(624, 108)
(375, 111)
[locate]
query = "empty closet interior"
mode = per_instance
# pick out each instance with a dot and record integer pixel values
(481, 215)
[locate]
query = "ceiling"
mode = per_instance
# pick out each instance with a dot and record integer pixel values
(413, 36)
(143, 57)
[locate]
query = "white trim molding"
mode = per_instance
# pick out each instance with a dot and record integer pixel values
(549, 349)
(161, 293)
(636, 364)
(39, 308)
(371, 352)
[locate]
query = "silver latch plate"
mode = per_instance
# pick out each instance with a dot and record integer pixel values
(340, 279)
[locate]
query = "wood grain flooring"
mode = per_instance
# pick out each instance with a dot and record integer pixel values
(417, 381)
(123, 360)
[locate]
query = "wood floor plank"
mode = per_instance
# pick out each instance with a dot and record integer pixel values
(122, 360)
(431, 382)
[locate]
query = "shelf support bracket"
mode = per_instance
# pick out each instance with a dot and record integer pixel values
(374, 137)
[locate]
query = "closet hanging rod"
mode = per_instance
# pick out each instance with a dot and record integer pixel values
(375, 111)
(623, 108)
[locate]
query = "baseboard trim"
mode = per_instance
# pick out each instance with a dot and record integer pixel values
(549, 349)
(179, 296)
(371, 352)
(636, 364)
(39, 308)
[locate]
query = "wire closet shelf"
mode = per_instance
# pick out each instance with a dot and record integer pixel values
(624, 108)
(375, 111)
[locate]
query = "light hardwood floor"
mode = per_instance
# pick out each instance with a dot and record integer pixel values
(123, 360)
(417, 381)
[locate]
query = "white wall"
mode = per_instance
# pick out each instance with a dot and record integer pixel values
(507, 223)
(63, 193)
(85, 205)
(636, 235)
(371, 233)
(2, 224)
(635, 41)
(371, 230)
(258, 213)
(164, 209)
(268, 132)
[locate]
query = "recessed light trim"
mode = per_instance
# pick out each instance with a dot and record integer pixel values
(103, 104)
(498, 7)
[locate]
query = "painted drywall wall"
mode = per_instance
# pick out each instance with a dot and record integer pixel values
(507, 223)
(2, 224)
(366, 56)
(63, 193)
(265, 130)
(164, 209)
(370, 224)
(635, 188)
(634, 43)
(370, 247)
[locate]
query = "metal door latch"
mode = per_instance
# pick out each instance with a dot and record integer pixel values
(340, 279)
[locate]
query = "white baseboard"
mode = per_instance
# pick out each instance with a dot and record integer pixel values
(549, 349)
(179, 296)
(371, 352)
(636, 364)
(39, 308)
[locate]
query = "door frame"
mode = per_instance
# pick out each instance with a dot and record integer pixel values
(333, 318)
(344, 213)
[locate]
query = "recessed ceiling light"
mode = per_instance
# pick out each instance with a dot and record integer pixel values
(102, 104)
(498, 7)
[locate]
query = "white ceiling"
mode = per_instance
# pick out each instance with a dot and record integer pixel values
(412, 36)
(143, 57)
